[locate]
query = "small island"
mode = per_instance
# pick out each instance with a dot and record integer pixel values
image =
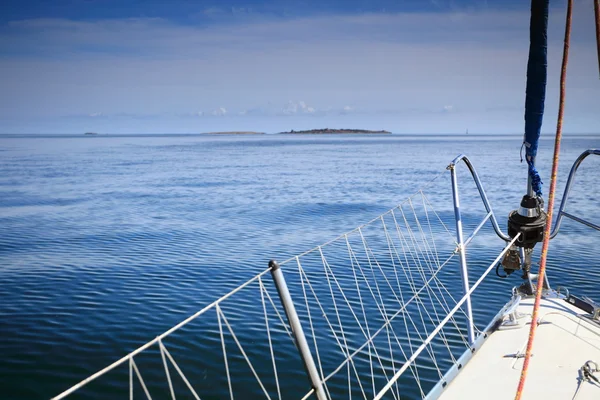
(235, 133)
(90, 133)
(336, 131)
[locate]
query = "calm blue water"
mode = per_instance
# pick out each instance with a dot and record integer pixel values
(108, 241)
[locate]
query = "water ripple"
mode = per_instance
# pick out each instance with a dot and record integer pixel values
(114, 241)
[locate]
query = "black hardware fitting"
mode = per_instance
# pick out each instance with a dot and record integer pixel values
(531, 228)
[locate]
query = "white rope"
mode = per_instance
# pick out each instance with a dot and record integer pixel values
(312, 328)
(369, 250)
(420, 270)
(407, 271)
(370, 339)
(430, 292)
(309, 394)
(381, 308)
(430, 260)
(137, 372)
(447, 292)
(324, 314)
(185, 380)
(262, 297)
(360, 301)
(428, 252)
(219, 310)
(156, 339)
(327, 267)
(390, 244)
(337, 313)
(452, 235)
(428, 184)
(130, 380)
(426, 200)
(283, 322)
(347, 350)
(162, 355)
(399, 373)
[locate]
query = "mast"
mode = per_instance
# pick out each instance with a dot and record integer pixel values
(529, 219)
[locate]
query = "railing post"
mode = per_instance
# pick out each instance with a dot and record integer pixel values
(462, 253)
(298, 333)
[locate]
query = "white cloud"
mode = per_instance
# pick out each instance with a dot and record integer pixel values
(448, 108)
(219, 112)
(297, 107)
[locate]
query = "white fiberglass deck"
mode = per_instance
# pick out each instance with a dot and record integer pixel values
(564, 341)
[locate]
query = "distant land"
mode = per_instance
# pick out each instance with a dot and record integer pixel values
(235, 133)
(335, 131)
(90, 133)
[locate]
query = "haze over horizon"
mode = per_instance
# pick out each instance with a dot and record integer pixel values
(185, 67)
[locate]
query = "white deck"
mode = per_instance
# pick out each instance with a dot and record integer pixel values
(563, 343)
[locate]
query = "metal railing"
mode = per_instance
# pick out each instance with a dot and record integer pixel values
(563, 204)
(486, 203)
(561, 211)
(363, 310)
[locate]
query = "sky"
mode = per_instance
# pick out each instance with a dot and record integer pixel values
(179, 66)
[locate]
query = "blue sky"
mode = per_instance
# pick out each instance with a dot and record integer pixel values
(415, 66)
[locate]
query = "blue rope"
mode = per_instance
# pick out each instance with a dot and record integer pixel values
(537, 67)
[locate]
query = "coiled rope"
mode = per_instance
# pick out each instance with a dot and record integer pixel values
(586, 374)
(542, 269)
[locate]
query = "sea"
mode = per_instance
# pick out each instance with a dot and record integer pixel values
(107, 241)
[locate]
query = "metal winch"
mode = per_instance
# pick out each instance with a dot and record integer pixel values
(529, 220)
